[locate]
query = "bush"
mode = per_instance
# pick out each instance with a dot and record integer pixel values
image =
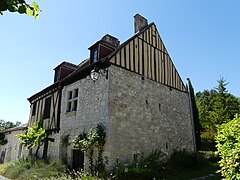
(228, 148)
(211, 156)
(186, 160)
(150, 167)
(207, 140)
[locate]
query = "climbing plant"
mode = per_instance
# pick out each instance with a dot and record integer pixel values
(88, 142)
(35, 136)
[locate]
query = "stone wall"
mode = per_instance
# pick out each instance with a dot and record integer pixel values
(53, 148)
(139, 115)
(13, 149)
(92, 109)
(145, 115)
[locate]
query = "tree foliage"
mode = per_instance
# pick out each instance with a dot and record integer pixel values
(20, 6)
(215, 107)
(7, 124)
(228, 148)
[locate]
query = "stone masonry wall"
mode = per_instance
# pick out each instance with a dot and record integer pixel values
(145, 115)
(92, 109)
(139, 116)
(13, 149)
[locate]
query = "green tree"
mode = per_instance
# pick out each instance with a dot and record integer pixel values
(228, 148)
(225, 105)
(215, 107)
(7, 124)
(20, 6)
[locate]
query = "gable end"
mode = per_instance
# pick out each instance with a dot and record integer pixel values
(145, 54)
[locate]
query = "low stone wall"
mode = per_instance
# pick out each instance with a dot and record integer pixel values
(13, 149)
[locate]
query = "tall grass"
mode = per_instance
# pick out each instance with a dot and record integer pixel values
(181, 165)
(31, 168)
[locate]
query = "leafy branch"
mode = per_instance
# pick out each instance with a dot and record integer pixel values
(35, 136)
(20, 6)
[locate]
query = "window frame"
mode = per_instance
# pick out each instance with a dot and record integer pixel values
(72, 100)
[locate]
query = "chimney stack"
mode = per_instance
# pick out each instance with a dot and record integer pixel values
(111, 40)
(139, 22)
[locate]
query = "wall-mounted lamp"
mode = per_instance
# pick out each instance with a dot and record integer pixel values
(95, 73)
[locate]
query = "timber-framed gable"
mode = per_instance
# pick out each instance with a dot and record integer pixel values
(145, 54)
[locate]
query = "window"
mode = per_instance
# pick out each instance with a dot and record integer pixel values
(95, 56)
(72, 100)
(34, 109)
(70, 95)
(47, 108)
(75, 93)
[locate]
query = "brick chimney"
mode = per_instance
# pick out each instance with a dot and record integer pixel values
(139, 23)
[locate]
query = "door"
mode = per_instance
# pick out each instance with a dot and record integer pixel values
(78, 159)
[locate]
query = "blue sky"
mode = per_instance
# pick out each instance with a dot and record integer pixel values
(202, 37)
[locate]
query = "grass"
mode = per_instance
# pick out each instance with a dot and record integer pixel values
(182, 165)
(185, 165)
(31, 168)
(210, 169)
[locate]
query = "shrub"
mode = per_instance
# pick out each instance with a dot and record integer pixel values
(211, 156)
(186, 160)
(149, 167)
(207, 140)
(228, 148)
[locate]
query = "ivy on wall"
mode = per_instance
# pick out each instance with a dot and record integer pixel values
(88, 142)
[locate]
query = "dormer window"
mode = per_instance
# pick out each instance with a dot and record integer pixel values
(95, 55)
(103, 47)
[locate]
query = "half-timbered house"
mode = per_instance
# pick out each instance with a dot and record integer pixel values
(139, 97)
